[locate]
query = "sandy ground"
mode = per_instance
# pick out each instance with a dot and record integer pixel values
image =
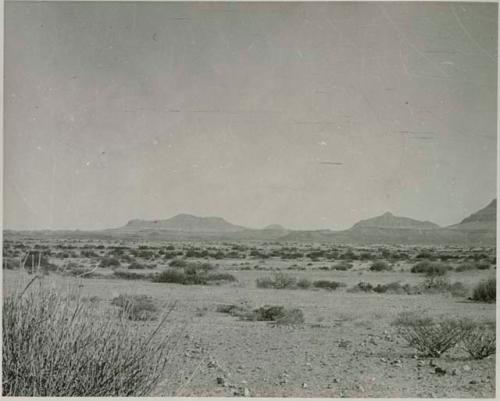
(346, 348)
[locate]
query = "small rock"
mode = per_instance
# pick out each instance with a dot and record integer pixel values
(432, 363)
(440, 371)
(397, 363)
(335, 380)
(466, 368)
(221, 381)
(421, 363)
(473, 382)
(455, 372)
(304, 385)
(245, 392)
(361, 389)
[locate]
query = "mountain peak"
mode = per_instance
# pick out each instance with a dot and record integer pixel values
(389, 221)
(487, 214)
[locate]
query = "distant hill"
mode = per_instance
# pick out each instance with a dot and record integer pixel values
(389, 221)
(483, 220)
(275, 227)
(184, 223)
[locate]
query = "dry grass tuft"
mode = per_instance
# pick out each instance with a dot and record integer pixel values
(56, 345)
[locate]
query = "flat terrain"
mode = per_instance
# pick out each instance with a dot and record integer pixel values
(346, 347)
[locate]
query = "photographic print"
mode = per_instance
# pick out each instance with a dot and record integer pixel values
(250, 199)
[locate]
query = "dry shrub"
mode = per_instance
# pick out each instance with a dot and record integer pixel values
(279, 281)
(304, 283)
(379, 266)
(136, 307)
(429, 337)
(128, 275)
(328, 285)
(279, 315)
(53, 346)
(435, 285)
(342, 266)
(267, 313)
(431, 269)
(192, 277)
(479, 341)
(486, 291)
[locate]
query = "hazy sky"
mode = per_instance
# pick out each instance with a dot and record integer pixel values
(305, 115)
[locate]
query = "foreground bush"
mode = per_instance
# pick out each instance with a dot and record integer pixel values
(53, 346)
(479, 341)
(486, 291)
(429, 337)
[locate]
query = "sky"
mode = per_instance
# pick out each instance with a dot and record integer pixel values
(306, 115)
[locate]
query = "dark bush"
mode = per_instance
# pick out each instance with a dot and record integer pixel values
(466, 266)
(483, 265)
(279, 281)
(326, 284)
(109, 262)
(123, 274)
(431, 268)
(136, 307)
(363, 286)
(178, 277)
(393, 288)
(486, 291)
(221, 277)
(278, 314)
(10, 264)
(304, 283)
(342, 266)
(178, 263)
(379, 266)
